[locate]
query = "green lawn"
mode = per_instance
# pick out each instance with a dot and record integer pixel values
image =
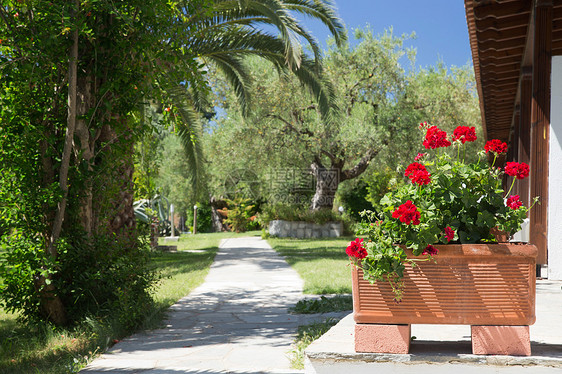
(40, 349)
(322, 263)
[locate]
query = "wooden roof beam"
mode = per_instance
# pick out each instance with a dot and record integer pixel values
(501, 74)
(502, 24)
(494, 87)
(501, 35)
(501, 9)
(506, 53)
(511, 63)
(503, 45)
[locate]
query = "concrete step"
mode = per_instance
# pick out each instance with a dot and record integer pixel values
(334, 353)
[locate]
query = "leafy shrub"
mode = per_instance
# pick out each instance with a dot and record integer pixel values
(107, 277)
(353, 198)
(379, 184)
(241, 215)
(296, 213)
(204, 217)
(22, 257)
(97, 279)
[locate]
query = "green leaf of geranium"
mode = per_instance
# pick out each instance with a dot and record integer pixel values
(386, 200)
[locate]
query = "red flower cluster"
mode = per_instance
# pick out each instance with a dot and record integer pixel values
(519, 170)
(496, 146)
(513, 202)
(356, 249)
(435, 138)
(464, 134)
(407, 213)
(418, 173)
(449, 233)
(430, 250)
(420, 156)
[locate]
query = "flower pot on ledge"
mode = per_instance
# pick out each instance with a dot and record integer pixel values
(488, 286)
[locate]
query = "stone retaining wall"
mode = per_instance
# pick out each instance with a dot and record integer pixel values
(284, 229)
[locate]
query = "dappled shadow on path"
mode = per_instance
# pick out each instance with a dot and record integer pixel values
(220, 317)
(237, 319)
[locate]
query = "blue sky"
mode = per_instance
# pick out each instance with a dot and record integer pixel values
(440, 26)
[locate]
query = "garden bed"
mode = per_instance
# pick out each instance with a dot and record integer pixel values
(301, 230)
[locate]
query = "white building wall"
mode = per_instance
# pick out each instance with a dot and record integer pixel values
(555, 174)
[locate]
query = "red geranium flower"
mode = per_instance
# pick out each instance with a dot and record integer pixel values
(464, 134)
(449, 233)
(420, 156)
(407, 213)
(418, 173)
(435, 138)
(356, 249)
(496, 146)
(430, 250)
(519, 170)
(513, 202)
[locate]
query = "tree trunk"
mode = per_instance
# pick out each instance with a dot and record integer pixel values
(51, 304)
(328, 179)
(217, 219)
(327, 182)
(85, 150)
(114, 192)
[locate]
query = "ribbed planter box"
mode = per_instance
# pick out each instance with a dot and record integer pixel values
(482, 285)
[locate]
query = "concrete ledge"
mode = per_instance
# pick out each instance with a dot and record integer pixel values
(334, 353)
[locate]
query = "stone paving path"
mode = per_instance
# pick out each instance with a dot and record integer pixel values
(237, 321)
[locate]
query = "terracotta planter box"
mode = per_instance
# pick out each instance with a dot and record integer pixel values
(469, 284)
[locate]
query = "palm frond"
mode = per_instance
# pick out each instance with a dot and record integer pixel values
(189, 129)
(236, 74)
(273, 12)
(323, 10)
(230, 30)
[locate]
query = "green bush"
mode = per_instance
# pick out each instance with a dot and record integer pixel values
(379, 184)
(288, 212)
(241, 215)
(22, 256)
(204, 217)
(354, 198)
(108, 277)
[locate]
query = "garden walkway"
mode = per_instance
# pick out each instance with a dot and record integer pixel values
(237, 321)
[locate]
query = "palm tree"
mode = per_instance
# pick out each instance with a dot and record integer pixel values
(232, 31)
(218, 32)
(105, 59)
